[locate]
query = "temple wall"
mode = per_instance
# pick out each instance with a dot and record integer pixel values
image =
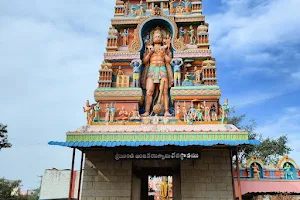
(203, 179)
(208, 178)
(116, 180)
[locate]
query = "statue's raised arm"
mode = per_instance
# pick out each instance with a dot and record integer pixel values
(176, 64)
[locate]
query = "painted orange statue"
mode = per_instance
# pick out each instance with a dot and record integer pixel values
(157, 60)
(256, 172)
(123, 114)
(178, 112)
(198, 74)
(164, 189)
(88, 111)
(184, 112)
(135, 115)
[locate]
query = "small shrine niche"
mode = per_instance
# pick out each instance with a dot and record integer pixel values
(209, 72)
(162, 4)
(197, 7)
(119, 8)
(105, 75)
(202, 34)
(123, 80)
(112, 39)
(149, 6)
(256, 170)
(166, 6)
(288, 166)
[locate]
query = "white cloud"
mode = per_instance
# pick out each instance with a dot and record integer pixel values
(50, 53)
(285, 122)
(257, 32)
(257, 27)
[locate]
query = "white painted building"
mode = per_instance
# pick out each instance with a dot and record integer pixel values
(56, 183)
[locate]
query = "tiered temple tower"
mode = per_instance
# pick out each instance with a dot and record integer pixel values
(157, 93)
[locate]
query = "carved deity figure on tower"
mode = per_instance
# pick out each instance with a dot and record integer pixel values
(206, 112)
(125, 37)
(112, 31)
(97, 109)
(107, 109)
(214, 116)
(192, 112)
(112, 112)
(178, 111)
(187, 4)
(126, 8)
(176, 64)
(184, 112)
(136, 65)
(172, 8)
(198, 73)
(142, 12)
(191, 32)
(182, 32)
(123, 114)
(156, 10)
(120, 72)
(225, 110)
(135, 115)
(88, 110)
(199, 112)
(157, 71)
(180, 8)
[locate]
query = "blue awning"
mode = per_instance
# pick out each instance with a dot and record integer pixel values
(155, 143)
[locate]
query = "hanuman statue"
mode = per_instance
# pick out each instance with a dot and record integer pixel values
(157, 71)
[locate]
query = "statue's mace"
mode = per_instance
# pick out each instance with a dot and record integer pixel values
(158, 106)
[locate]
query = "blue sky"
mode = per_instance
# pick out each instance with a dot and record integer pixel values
(50, 53)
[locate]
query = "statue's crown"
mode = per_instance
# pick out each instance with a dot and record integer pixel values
(157, 30)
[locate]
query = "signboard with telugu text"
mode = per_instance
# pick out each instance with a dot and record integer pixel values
(157, 156)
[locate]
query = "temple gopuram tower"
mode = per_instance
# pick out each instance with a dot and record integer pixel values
(157, 128)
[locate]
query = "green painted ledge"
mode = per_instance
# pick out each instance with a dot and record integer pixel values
(198, 87)
(118, 89)
(98, 137)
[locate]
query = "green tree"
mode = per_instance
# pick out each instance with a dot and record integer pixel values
(3, 137)
(269, 150)
(10, 190)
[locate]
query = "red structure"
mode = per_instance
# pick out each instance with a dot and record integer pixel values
(258, 181)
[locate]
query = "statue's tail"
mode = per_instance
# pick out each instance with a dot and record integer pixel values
(144, 76)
